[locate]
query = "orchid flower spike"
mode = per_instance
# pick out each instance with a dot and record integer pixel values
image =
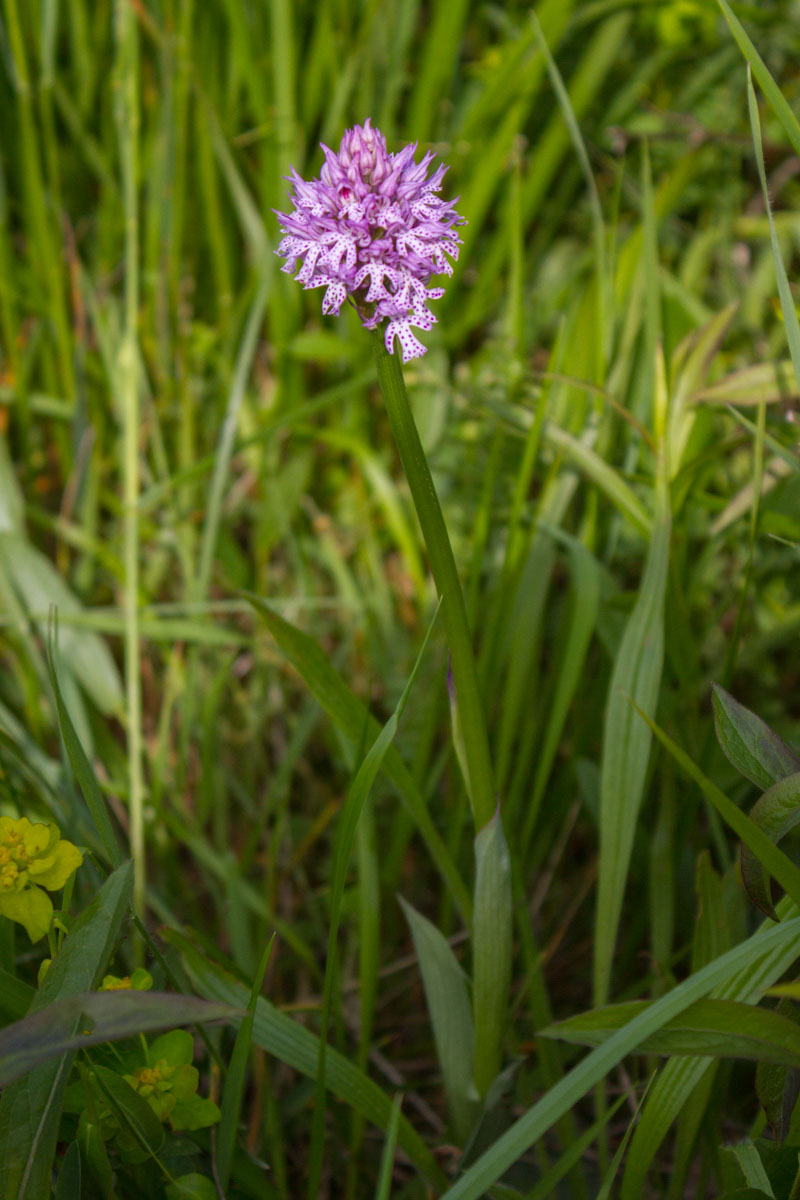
(372, 228)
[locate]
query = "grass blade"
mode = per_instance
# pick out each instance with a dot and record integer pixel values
(236, 1079)
(87, 780)
(756, 64)
(491, 950)
(787, 303)
(451, 1018)
(387, 1157)
(637, 674)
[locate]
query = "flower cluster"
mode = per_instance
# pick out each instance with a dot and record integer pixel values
(163, 1076)
(372, 228)
(33, 857)
(168, 1082)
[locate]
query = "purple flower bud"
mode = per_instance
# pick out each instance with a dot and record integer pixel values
(372, 228)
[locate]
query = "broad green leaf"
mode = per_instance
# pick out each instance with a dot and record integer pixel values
(635, 683)
(776, 813)
(561, 1098)
(92, 1018)
(30, 1108)
(350, 715)
(296, 1046)
(491, 950)
(451, 1017)
(748, 742)
(715, 1028)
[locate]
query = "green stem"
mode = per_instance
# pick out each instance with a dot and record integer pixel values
(127, 114)
(471, 718)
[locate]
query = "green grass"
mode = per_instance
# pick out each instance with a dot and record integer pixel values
(198, 474)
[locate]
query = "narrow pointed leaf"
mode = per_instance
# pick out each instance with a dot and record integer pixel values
(714, 1028)
(450, 1014)
(748, 742)
(87, 780)
(491, 943)
(634, 683)
(92, 1018)
(778, 101)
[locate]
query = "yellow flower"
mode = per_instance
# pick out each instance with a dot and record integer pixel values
(139, 981)
(33, 857)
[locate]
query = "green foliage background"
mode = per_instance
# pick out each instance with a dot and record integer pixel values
(615, 295)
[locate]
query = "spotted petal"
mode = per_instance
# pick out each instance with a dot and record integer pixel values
(334, 298)
(410, 346)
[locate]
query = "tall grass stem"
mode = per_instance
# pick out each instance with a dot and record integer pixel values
(472, 721)
(127, 116)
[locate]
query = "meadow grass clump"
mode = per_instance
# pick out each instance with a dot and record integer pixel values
(398, 726)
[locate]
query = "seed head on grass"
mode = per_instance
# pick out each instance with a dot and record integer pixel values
(373, 229)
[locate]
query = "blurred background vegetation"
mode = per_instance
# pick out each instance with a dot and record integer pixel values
(617, 245)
